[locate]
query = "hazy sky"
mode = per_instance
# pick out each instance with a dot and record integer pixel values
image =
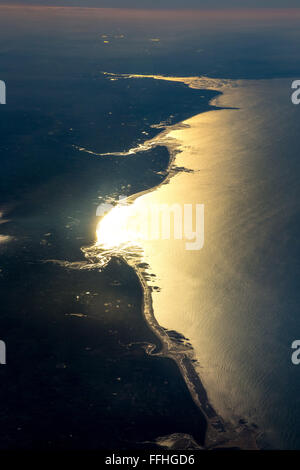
(164, 3)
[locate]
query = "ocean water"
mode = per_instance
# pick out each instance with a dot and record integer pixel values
(236, 299)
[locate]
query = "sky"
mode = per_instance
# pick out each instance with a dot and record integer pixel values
(165, 4)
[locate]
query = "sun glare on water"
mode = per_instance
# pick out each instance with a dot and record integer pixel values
(120, 227)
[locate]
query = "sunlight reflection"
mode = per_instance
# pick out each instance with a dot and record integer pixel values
(120, 227)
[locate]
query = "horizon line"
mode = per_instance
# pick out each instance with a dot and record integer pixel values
(86, 7)
(226, 13)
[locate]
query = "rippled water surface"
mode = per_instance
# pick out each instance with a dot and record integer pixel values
(236, 299)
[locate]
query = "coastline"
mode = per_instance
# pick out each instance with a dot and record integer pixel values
(80, 328)
(115, 335)
(219, 433)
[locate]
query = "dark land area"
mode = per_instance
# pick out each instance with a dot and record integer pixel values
(77, 374)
